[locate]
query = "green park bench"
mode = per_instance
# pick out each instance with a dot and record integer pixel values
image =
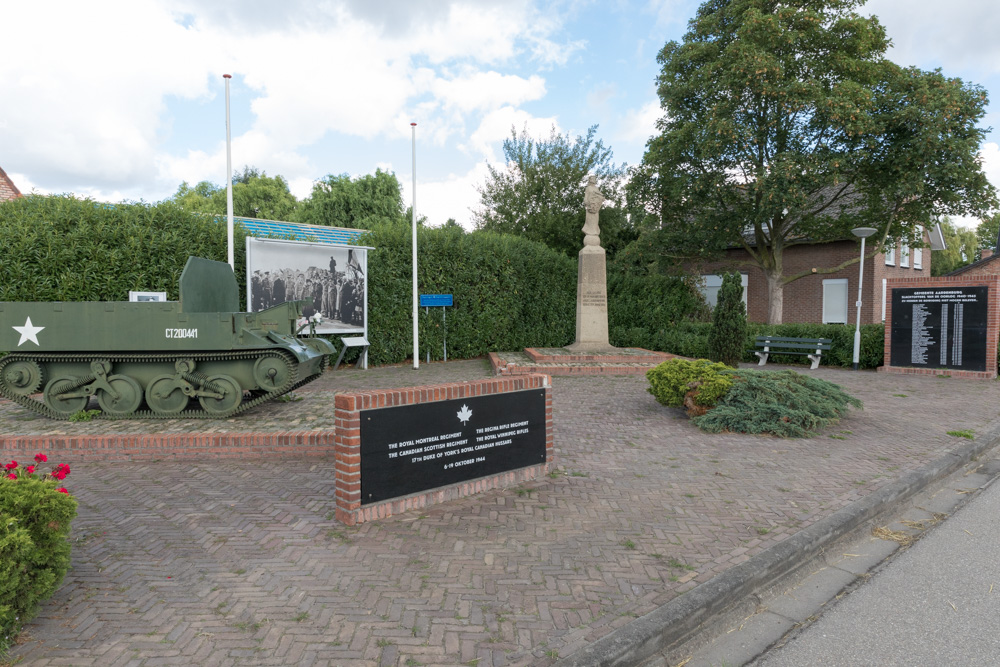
(810, 347)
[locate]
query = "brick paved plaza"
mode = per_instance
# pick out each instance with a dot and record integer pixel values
(240, 562)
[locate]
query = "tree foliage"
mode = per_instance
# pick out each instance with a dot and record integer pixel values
(784, 124)
(538, 194)
(961, 248)
(988, 232)
(358, 203)
(255, 195)
(727, 339)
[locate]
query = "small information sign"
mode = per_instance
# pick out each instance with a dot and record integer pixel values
(413, 448)
(435, 300)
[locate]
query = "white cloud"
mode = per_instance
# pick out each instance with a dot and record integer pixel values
(487, 90)
(990, 154)
(453, 197)
(77, 101)
(87, 101)
(496, 126)
(672, 13)
(924, 33)
(638, 125)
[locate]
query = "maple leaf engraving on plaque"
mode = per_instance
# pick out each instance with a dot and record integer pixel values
(464, 414)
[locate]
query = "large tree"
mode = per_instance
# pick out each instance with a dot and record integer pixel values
(785, 125)
(538, 193)
(961, 248)
(342, 201)
(255, 195)
(987, 232)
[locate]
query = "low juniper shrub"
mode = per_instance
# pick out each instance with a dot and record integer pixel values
(783, 403)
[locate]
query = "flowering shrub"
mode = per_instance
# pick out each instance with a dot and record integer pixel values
(35, 515)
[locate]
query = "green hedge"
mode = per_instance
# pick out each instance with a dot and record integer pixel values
(34, 546)
(509, 293)
(690, 339)
(59, 248)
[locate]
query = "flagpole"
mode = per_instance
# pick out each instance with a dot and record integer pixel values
(229, 181)
(413, 211)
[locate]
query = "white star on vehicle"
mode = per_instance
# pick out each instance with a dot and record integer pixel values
(28, 332)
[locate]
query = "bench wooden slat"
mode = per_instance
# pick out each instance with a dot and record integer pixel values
(809, 347)
(803, 346)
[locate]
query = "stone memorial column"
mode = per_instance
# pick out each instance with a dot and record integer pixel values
(592, 281)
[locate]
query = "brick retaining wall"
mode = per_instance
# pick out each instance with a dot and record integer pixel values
(169, 447)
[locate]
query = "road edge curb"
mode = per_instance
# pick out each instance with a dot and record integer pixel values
(678, 620)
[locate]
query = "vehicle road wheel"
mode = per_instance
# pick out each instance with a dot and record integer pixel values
(164, 397)
(129, 396)
(62, 405)
(231, 399)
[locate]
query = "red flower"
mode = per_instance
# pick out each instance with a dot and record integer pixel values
(12, 476)
(11, 465)
(62, 490)
(63, 468)
(41, 458)
(30, 469)
(59, 474)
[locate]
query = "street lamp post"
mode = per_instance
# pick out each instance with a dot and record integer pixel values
(862, 233)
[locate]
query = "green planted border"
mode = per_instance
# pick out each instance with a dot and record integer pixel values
(690, 339)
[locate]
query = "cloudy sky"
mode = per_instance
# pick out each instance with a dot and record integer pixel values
(124, 99)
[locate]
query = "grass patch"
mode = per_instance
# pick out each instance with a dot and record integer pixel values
(966, 433)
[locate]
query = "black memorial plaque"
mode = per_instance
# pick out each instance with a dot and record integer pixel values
(939, 327)
(414, 448)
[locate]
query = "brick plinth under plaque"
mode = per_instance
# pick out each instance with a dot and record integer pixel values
(402, 449)
(942, 326)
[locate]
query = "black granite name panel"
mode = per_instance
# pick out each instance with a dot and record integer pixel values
(939, 327)
(414, 448)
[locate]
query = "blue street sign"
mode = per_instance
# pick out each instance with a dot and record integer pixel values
(435, 300)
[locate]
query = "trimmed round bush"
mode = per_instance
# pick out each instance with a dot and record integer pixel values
(701, 381)
(34, 547)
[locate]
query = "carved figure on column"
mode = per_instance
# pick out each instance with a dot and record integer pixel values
(592, 201)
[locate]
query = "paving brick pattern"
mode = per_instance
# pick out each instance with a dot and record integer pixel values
(241, 562)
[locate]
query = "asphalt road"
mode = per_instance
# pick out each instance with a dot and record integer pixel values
(935, 603)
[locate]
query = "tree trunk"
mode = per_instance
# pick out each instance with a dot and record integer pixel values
(775, 297)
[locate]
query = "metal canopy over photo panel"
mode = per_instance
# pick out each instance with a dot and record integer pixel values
(939, 327)
(413, 448)
(333, 278)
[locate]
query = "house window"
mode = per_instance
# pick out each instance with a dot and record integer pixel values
(904, 257)
(918, 258)
(835, 301)
(890, 256)
(710, 285)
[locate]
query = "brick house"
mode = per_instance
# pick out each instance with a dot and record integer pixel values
(987, 265)
(7, 188)
(830, 297)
